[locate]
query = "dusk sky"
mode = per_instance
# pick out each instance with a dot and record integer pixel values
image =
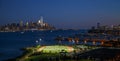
(76, 14)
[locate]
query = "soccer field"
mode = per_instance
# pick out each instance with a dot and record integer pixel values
(56, 49)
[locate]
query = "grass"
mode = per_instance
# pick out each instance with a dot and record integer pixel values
(55, 49)
(44, 57)
(34, 54)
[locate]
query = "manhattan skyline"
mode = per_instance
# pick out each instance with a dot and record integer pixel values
(66, 14)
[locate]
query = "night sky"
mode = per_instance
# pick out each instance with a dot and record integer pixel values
(76, 14)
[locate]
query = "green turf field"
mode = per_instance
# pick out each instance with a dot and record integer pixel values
(57, 49)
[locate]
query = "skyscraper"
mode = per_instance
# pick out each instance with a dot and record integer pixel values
(40, 22)
(27, 24)
(98, 25)
(21, 23)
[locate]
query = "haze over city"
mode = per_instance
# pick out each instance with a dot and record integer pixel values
(75, 14)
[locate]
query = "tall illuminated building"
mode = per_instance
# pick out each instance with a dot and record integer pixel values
(40, 22)
(27, 24)
(21, 23)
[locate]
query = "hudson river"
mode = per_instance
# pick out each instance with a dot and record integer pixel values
(12, 42)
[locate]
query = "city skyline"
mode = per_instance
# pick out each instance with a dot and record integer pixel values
(26, 26)
(66, 14)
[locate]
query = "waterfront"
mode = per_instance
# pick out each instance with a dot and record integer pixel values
(12, 42)
(47, 30)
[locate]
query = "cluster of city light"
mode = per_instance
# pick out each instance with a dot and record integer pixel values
(39, 25)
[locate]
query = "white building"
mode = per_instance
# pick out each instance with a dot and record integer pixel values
(40, 22)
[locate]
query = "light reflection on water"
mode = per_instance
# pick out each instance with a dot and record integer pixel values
(12, 42)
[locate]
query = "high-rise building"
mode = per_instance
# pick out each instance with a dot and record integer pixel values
(98, 25)
(40, 22)
(21, 23)
(27, 24)
(119, 26)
